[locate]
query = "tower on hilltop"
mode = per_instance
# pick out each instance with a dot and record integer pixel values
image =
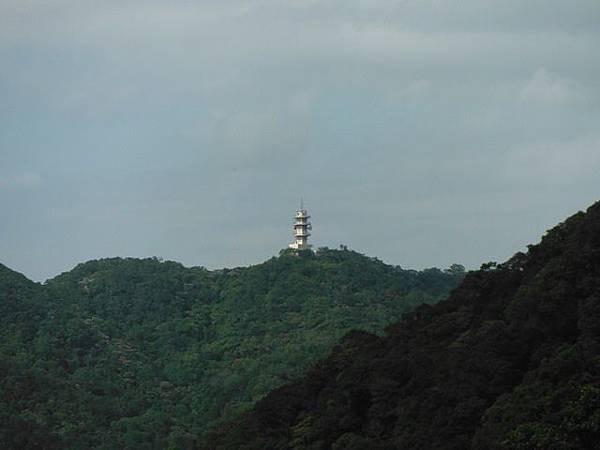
(302, 228)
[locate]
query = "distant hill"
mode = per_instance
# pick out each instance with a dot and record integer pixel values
(144, 354)
(510, 361)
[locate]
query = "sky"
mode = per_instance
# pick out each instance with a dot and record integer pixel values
(421, 132)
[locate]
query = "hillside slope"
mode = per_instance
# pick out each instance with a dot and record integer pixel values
(510, 361)
(127, 353)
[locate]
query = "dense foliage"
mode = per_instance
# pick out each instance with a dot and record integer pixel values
(510, 361)
(142, 354)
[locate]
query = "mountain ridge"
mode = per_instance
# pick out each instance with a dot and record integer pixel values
(143, 353)
(509, 361)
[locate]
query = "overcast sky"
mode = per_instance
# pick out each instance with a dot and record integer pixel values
(420, 132)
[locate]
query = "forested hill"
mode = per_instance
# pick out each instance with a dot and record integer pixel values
(510, 361)
(143, 354)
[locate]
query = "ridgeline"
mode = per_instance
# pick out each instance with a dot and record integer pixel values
(510, 361)
(144, 354)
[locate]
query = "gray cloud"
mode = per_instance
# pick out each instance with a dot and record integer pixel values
(26, 180)
(423, 132)
(547, 88)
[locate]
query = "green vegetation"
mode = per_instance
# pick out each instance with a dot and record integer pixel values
(510, 361)
(144, 354)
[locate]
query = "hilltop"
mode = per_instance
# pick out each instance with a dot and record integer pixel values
(141, 353)
(510, 361)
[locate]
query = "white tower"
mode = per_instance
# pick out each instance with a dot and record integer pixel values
(302, 229)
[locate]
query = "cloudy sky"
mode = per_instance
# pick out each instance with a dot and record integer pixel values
(420, 132)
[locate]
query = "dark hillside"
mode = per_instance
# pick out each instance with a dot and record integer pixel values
(510, 361)
(19, 297)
